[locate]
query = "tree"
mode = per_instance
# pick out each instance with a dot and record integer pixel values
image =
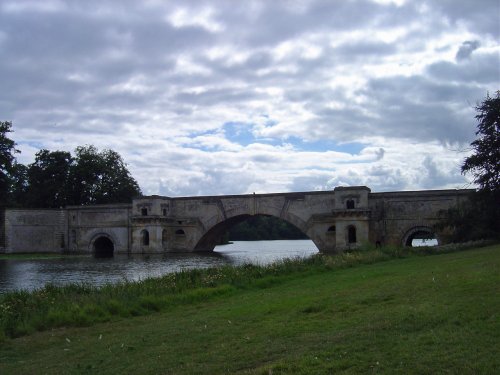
(484, 163)
(479, 218)
(101, 177)
(258, 227)
(7, 160)
(48, 179)
(19, 185)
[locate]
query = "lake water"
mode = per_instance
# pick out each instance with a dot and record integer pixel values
(35, 273)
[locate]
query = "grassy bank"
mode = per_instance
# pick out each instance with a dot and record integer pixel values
(26, 312)
(409, 315)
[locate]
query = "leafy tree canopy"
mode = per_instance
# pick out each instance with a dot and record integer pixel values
(484, 163)
(48, 179)
(258, 228)
(7, 160)
(479, 218)
(99, 177)
(56, 178)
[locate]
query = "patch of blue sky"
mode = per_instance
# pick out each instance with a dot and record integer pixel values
(353, 148)
(239, 132)
(33, 144)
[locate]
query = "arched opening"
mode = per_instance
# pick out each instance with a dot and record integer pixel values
(103, 247)
(420, 236)
(250, 228)
(180, 232)
(145, 238)
(351, 234)
(332, 229)
(350, 204)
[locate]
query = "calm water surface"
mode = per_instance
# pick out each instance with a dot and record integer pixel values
(35, 273)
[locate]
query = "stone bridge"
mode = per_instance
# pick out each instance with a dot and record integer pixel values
(334, 220)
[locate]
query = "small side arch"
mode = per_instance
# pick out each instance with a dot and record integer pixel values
(418, 232)
(102, 245)
(144, 237)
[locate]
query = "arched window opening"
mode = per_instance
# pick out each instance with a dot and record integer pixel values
(144, 211)
(103, 247)
(331, 229)
(350, 204)
(180, 232)
(145, 238)
(351, 234)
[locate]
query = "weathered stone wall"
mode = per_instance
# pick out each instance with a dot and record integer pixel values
(88, 223)
(334, 220)
(196, 223)
(31, 231)
(395, 215)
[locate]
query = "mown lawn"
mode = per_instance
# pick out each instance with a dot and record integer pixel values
(421, 315)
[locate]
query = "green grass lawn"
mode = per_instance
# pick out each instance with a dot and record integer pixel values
(421, 315)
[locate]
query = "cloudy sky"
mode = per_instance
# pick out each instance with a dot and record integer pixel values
(230, 97)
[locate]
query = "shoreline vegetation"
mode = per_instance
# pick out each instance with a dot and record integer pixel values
(80, 304)
(377, 310)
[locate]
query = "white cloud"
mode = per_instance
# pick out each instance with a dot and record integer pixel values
(183, 17)
(223, 97)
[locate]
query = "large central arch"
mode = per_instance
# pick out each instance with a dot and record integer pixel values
(212, 236)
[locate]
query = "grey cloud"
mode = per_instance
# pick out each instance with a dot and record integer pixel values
(215, 96)
(213, 182)
(380, 153)
(434, 176)
(364, 49)
(264, 158)
(480, 16)
(466, 49)
(58, 68)
(310, 182)
(481, 68)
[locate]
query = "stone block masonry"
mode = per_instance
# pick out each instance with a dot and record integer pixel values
(334, 220)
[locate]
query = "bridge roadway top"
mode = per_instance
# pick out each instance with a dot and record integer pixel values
(299, 194)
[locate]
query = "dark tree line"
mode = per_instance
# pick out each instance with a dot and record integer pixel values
(58, 178)
(479, 218)
(257, 228)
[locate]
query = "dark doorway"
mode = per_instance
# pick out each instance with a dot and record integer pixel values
(145, 238)
(103, 247)
(351, 234)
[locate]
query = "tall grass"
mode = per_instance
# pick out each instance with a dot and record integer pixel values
(23, 312)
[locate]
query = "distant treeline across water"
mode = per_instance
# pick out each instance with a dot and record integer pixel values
(260, 228)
